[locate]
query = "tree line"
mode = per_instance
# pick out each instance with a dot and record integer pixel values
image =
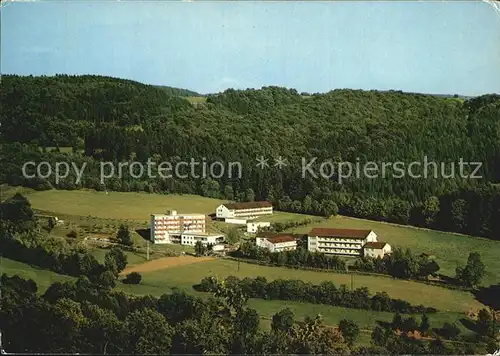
(301, 257)
(324, 293)
(405, 264)
(400, 264)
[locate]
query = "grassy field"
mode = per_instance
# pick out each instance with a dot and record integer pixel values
(196, 99)
(159, 282)
(138, 257)
(283, 217)
(184, 277)
(451, 250)
(367, 320)
(7, 191)
(42, 277)
(452, 304)
(117, 205)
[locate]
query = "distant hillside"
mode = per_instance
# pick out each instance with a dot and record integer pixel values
(456, 96)
(120, 120)
(177, 91)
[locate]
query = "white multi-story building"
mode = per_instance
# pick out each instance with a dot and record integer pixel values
(166, 228)
(244, 210)
(347, 242)
(277, 242)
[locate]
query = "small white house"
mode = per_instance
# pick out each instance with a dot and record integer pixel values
(253, 227)
(376, 249)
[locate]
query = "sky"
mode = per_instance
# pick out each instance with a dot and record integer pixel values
(440, 47)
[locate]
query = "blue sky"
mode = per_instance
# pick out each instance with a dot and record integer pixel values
(432, 47)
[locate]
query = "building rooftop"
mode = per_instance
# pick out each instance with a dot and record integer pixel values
(346, 233)
(268, 234)
(281, 238)
(248, 205)
(375, 245)
(177, 214)
(192, 233)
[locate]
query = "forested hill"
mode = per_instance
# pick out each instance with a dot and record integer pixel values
(177, 91)
(118, 120)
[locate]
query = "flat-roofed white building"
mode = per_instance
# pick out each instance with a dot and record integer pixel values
(235, 221)
(254, 227)
(376, 249)
(190, 238)
(166, 228)
(277, 242)
(244, 210)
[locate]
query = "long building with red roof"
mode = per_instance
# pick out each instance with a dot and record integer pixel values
(347, 242)
(244, 210)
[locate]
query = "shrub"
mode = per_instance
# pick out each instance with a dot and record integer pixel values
(73, 234)
(133, 278)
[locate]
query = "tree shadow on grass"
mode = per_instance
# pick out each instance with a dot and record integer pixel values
(469, 324)
(144, 233)
(489, 296)
(384, 324)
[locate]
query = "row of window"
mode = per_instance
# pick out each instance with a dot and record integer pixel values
(329, 244)
(337, 239)
(178, 225)
(344, 251)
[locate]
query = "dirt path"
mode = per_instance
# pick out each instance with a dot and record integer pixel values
(166, 262)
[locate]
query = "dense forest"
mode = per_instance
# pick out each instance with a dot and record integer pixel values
(117, 120)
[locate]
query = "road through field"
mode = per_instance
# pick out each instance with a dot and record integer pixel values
(163, 263)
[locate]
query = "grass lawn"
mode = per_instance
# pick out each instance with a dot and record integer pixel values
(159, 282)
(451, 250)
(139, 257)
(184, 277)
(119, 205)
(196, 99)
(42, 277)
(452, 304)
(279, 216)
(7, 191)
(367, 320)
(133, 258)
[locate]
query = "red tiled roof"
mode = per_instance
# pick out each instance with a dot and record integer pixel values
(280, 239)
(267, 234)
(248, 205)
(376, 245)
(348, 233)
